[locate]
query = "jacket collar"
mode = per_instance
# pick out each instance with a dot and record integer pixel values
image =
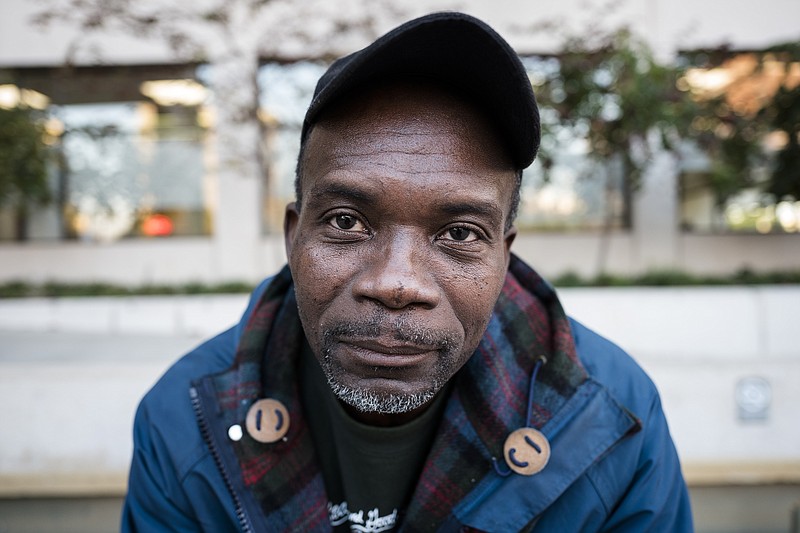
(488, 401)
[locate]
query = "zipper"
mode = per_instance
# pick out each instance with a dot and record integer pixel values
(205, 431)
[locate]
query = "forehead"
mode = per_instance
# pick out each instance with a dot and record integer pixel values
(410, 127)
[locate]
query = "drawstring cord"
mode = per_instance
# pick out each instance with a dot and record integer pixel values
(504, 471)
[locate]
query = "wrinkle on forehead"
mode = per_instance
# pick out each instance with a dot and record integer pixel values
(408, 135)
(418, 113)
(413, 142)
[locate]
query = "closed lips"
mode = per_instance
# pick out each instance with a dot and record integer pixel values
(385, 354)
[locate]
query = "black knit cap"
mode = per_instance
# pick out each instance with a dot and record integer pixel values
(457, 51)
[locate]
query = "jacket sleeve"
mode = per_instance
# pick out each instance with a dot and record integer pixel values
(167, 446)
(640, 481)
(657, 498)
(154, 501)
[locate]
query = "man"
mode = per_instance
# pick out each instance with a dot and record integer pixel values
(406, 371)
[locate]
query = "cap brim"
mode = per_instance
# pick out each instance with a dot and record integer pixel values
(453, 49)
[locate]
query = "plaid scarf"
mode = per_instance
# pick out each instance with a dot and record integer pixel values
(488, 401)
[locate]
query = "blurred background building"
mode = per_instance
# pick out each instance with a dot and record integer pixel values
(170, 136)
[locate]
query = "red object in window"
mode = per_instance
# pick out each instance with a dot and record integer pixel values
(157, 226)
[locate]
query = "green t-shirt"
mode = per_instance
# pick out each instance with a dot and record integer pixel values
(370, 472)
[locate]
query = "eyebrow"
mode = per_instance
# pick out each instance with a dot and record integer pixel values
(483, 209)
(340, 190)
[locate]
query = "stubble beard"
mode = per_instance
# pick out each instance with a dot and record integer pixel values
(369, 400)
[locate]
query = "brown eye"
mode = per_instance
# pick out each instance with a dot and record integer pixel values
(460, 234)
(346, 223)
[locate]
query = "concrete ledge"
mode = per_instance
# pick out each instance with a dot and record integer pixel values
(720, 323)
(741, 473)
(69, 404)
(78, 484)
(148, 315)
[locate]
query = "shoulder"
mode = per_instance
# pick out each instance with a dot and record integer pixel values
(171, 468)
(613, 368)
(213, 355)
(636, 485)
(640, 482)
(165, 416)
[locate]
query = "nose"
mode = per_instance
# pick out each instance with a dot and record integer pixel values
(398, 274)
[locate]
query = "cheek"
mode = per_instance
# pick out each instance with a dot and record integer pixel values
(319, 277)
(473, 294)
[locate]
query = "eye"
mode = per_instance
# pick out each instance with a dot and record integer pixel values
(346, 223)
(460, 234)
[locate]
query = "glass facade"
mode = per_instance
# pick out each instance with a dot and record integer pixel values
(133, 156)
(743, 176)
(136, 158)
(574, 192)
(285, 91)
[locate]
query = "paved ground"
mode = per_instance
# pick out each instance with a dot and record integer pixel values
(79, 348)
(70, 399)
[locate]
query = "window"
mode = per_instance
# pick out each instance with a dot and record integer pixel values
(743, 174)
(134, 152)
(577, 194)
(285, 91)
(565, 189)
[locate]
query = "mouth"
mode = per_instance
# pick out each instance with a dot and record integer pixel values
(380, 353)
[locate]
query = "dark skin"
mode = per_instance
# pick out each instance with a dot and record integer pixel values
(399, 252)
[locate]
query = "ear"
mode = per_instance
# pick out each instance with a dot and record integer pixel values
(291, 219)
(508, 239)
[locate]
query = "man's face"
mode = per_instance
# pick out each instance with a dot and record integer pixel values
(398, 252)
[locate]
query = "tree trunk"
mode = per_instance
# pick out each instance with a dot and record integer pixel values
(21, 223)
(607, 227)
(237, 228)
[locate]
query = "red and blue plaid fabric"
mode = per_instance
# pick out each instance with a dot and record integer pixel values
(488, 401)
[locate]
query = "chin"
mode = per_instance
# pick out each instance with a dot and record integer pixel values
(371, 400)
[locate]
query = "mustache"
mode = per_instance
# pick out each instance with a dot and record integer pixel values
(398, 329)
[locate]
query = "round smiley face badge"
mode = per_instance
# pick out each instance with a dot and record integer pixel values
(526, 451)
(267, 420)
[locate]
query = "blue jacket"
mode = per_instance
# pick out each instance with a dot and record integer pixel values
(605, 477)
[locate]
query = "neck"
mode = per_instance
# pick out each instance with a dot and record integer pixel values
(385, 419)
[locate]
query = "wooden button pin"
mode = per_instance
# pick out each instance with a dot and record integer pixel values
(527, 451)
(267, 420)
